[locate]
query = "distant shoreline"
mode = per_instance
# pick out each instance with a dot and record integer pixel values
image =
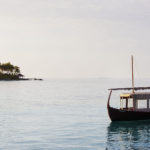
(22, 79)
(9, 72)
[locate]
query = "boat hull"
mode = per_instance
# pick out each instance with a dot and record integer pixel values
(127, 115)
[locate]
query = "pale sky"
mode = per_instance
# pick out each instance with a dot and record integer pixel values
(76, 38)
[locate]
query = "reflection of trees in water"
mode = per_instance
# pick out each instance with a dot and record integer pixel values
(128, 135)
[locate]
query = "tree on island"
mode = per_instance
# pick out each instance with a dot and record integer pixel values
(9, 72)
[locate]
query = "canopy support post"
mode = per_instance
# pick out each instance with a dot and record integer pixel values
(147, 103)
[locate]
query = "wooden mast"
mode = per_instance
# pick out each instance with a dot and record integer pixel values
(132, 75)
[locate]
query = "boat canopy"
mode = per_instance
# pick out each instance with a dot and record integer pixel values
(140, 95)
(125, 95)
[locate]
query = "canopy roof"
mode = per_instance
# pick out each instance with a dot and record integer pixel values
(140, 95)
(128, 88)
(125, 95)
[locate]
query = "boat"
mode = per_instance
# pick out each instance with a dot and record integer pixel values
(130, 112)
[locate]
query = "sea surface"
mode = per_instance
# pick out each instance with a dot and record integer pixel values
(66, 114)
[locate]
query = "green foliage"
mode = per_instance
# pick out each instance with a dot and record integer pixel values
(9, 72)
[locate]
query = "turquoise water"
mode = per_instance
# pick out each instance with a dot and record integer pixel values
(65, 114)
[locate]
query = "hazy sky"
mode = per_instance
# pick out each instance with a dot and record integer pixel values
(76, 38)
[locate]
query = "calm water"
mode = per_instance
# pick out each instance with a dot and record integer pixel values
(65, 114)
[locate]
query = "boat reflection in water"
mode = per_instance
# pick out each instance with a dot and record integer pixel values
(128, 135)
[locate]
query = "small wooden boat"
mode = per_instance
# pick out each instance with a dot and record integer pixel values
(126, 112)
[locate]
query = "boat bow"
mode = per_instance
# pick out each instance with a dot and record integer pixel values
(108, 105)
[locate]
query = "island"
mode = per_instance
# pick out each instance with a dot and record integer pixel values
(11, 72)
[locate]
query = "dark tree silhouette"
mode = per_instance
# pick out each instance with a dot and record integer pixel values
(9, 72)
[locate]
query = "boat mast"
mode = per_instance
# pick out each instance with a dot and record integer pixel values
(132, 75)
